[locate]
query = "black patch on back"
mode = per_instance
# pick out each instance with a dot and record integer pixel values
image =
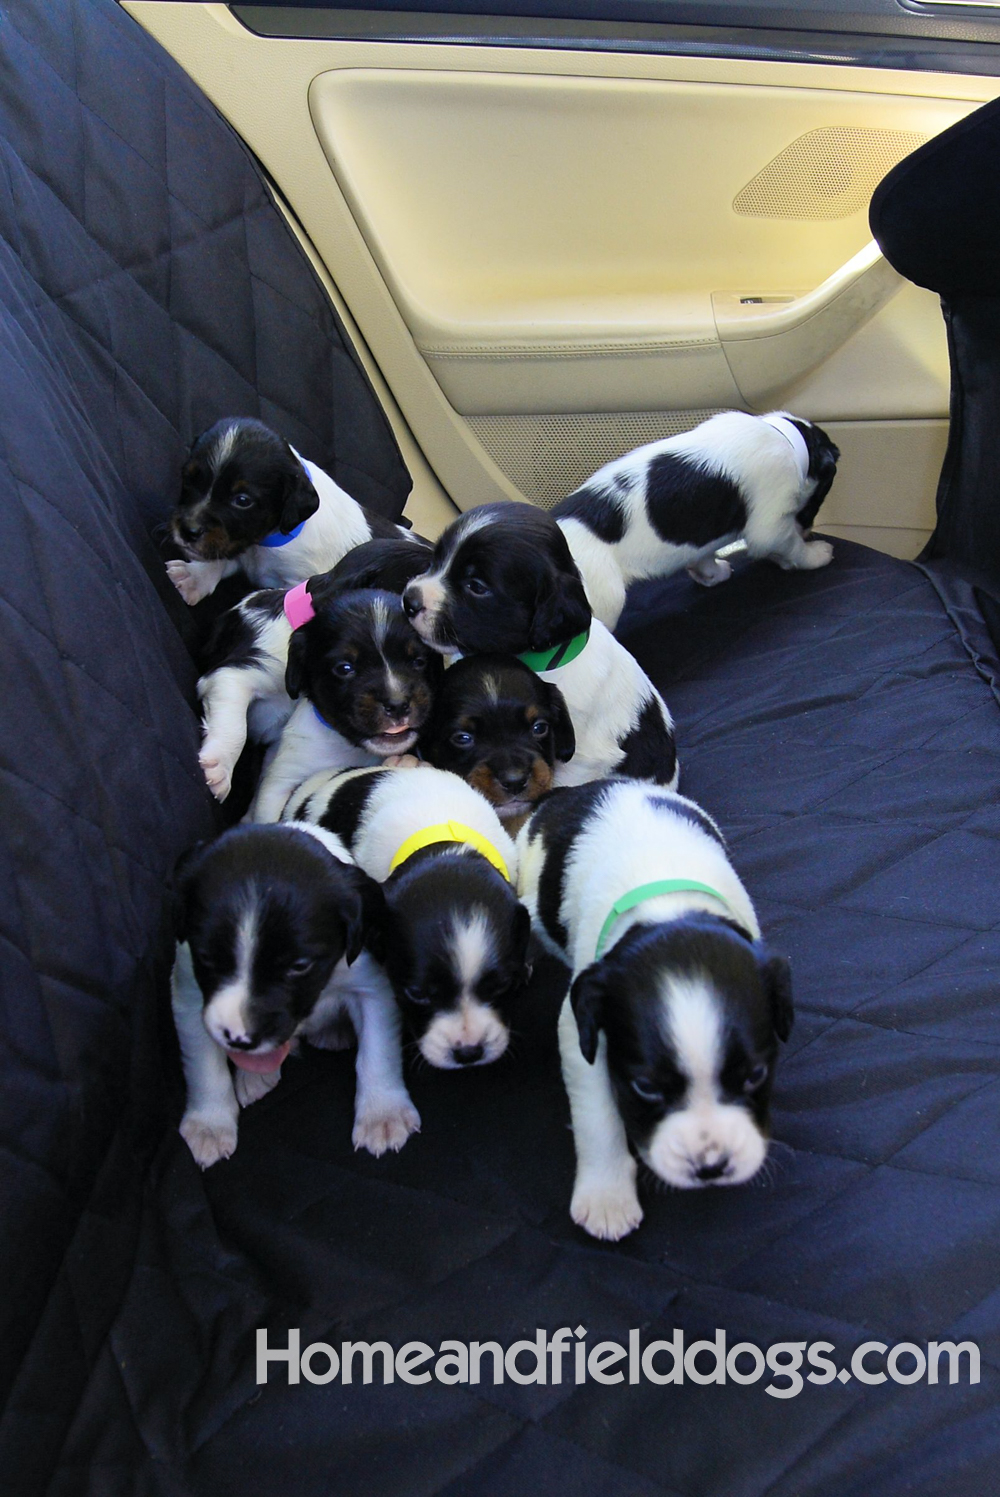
(234, 639)
(346, 807)
(601, 512)
(561, 817)
(689, 505)
(380, 527)
(693, 814)
(648, 749)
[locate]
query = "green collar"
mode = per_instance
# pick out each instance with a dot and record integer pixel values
(650, 891)
(548, 660)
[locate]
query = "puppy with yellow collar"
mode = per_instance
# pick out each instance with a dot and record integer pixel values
(456, 936)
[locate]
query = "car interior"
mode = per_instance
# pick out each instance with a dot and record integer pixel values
(457, 255)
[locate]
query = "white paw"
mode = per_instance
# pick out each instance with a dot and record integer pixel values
(250, 1086)
(189, 581)
(217, 769)
(385, 1125)
(210, 1136)
(818, 554)
(605, 1210)
(712, 570)
(402, 761)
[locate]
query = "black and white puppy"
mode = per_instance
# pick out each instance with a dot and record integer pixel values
(456, 936)
(271, 925)
(502, 580)
(669, 1035)
(249, 502)
(502, 728)
(366, 683)
(674, 503)
(242, 685)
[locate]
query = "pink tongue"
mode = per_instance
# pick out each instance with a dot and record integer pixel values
(394, 732)
(268, 1062)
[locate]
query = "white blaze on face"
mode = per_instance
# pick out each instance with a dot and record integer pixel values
(705, 1131)
(470, 1022)
(226, 1015)
(223, 449)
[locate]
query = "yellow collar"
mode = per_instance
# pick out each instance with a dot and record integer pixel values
(449, 831)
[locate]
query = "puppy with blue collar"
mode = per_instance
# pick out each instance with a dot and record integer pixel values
(673, 504)
(275, 929)
(249, 502)
(502, 581)
(456, 936)
(669, 1035)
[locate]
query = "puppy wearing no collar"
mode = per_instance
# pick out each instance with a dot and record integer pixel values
(250, 503)
(675, 503)
(502, 580)
(669, 1035)
(456, 936)
(271, 925)
(502, 728)
(366, 684)
(242, 686)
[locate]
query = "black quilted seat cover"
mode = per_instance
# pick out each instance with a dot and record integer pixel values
(147, 286)
(835, 724)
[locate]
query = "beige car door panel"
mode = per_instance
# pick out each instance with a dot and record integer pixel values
(553, 255)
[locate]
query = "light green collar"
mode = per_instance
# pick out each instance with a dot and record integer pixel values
(548, 660)
(650, 891)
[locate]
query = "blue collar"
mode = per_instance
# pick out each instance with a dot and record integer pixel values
(320, 718)
(277, 538)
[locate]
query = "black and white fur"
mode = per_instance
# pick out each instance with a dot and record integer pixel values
(668, 1041)
(242, 685)
(271, 926)
(674, 503)
(242, 483)
(502, 728)
(502, 580)
(456, 935)
(366, 685)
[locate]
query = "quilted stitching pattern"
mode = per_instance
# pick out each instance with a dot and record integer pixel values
(147, 286)
(836, 726)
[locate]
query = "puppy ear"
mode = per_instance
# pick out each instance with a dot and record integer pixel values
(522, 935)
(180, 887)
(561, 609)
(299, 501)
(564, 739)
(364, 916)
(586, 998)
(776, 973)
(295, 668)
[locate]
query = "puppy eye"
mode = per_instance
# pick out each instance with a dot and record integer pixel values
(301, 967)
(414, 995)
(476, 587)
(755, 1078)
(242, 501)
(343, 669)
(419, 662)
(461, 740)
(647, 1091)
(540, 728)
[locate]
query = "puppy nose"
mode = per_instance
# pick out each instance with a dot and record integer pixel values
(513, 779)
(413, 602)
(467, 1055)
(240, 1041)
(395, 707)
(191, 532)
(713, 1171)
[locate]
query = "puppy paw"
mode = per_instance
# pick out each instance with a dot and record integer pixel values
(385, 1125)
(402, 761)
(217, 770)
(818, 554)
(712, 570)
(210, 1136)
(610, 1211)
(250, 1086)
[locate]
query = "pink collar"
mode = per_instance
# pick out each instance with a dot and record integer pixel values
(298, 605)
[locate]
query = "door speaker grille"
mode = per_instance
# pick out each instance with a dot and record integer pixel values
(826, 173)
(547, 457)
